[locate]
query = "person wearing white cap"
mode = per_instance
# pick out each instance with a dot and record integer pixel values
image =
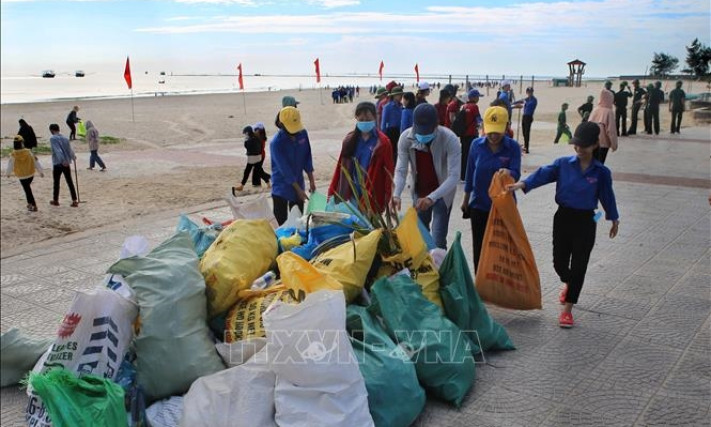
(423, 91)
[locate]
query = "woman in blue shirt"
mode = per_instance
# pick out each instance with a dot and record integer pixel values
(409, 103)
(487, 155)
(580, 182)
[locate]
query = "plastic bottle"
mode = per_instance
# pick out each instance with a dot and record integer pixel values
(264, 281)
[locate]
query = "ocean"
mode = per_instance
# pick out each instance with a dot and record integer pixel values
(65, 86)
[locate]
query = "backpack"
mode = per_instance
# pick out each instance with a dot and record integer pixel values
(459, 125)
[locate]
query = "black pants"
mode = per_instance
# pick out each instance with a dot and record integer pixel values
(526, 127)
(57, 172)
(600, 154)
(573, 240)
(28, 190)
(676, 121)
(394, 136)
(647, 121)
(72, 131)
(466, 142)
(258, 174)
(282, 208)
(635, 118)
(621, 120)
(478, 220)
(654, 119)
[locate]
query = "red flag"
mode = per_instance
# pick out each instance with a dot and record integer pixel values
(239, 79)
(318, 71)
(417, 73)
(127, 74)
(380, 70)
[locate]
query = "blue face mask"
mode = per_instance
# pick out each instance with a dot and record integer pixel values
(365, 126)
(424, 139)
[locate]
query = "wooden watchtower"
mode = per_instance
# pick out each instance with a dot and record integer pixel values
(577, 69)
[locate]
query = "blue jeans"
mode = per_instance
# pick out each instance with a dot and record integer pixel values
(94, 158)
(438, 215)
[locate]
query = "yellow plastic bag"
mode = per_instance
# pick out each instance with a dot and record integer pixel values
(507, 274)
(241, 254)
(303, 278)
(245, 319)
(350, 263)
(410, 240)
(425, 275)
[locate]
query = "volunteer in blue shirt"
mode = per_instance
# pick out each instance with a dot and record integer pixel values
(529, 105)
(392, 118)
(290, 152)
(487, 155)
(580, 182)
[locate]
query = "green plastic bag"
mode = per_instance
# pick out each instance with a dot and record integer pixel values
(441, 352)
(86, 401)
(317, 202)
(81, 129)
(462, 304)
(173, 347)
(395, 398)
(19, 355)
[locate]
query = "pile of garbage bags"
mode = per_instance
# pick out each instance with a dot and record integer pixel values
(323, 321)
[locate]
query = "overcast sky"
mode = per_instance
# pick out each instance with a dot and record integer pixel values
(285, 36)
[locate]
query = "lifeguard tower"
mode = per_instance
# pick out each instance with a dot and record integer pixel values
(577, 69)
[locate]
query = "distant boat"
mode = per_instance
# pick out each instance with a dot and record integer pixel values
(161, 81)
(48, 74)
(79, 73)
(162, 73)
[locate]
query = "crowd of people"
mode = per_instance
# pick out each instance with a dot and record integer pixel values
(24, 164)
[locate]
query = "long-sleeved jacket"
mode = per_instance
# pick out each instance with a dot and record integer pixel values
(92, 136)
(604, 115)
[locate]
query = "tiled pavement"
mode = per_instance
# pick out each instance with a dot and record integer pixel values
(640, 351)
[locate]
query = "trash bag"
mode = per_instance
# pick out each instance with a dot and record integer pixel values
(173, 347)
(166, 412)
(317, 202)
(81, 129)
(303, 278)
(507, 274)
(134, 397)
(19, 352)
(251, 209)
(318, 382)
(242, 253)
(441, 351)
(350, 263)
(238, 353)
(395, 397)
(202, 236)
(78, 401)
(242, 396)
(244, 320)
(462, 304)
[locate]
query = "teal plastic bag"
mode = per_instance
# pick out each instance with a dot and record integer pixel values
(173, 347)
(462, 304)
(202, 236)
(79, 401)
(441, 352)
(317, 202)
(395, 398)
(19, 355)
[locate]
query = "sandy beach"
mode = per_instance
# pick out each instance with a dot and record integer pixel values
(183, 151)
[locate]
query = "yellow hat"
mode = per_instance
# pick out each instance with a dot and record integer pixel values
(19, 138)
(495, 119)
(290, 118)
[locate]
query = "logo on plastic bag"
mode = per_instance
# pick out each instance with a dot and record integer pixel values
(316, 351)
(69, 324)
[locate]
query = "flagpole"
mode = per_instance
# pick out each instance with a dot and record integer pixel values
(244, 101)
(133, 115)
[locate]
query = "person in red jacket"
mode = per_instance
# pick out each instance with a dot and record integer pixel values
(369, 149)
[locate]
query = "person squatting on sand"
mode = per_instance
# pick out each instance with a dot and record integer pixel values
(24, 164)
(433, 156)
(369, 149)
(290, 151)
(581, 181)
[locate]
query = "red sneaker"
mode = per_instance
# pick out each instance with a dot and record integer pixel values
(563, 293)
(566, 320)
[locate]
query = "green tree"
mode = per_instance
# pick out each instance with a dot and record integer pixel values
(698, 58)
(663, 64)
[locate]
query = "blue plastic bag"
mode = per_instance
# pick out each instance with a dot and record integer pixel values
(202, 237)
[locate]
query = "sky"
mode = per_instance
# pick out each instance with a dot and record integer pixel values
(348, 36)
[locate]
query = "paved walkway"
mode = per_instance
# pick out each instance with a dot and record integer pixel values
(639, 354)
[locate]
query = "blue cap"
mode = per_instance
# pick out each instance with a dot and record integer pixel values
(473, 93)
(425, 119)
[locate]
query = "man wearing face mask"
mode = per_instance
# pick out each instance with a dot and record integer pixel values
(433, 155)
(487, 155)
(392, 116)
(369, 150)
